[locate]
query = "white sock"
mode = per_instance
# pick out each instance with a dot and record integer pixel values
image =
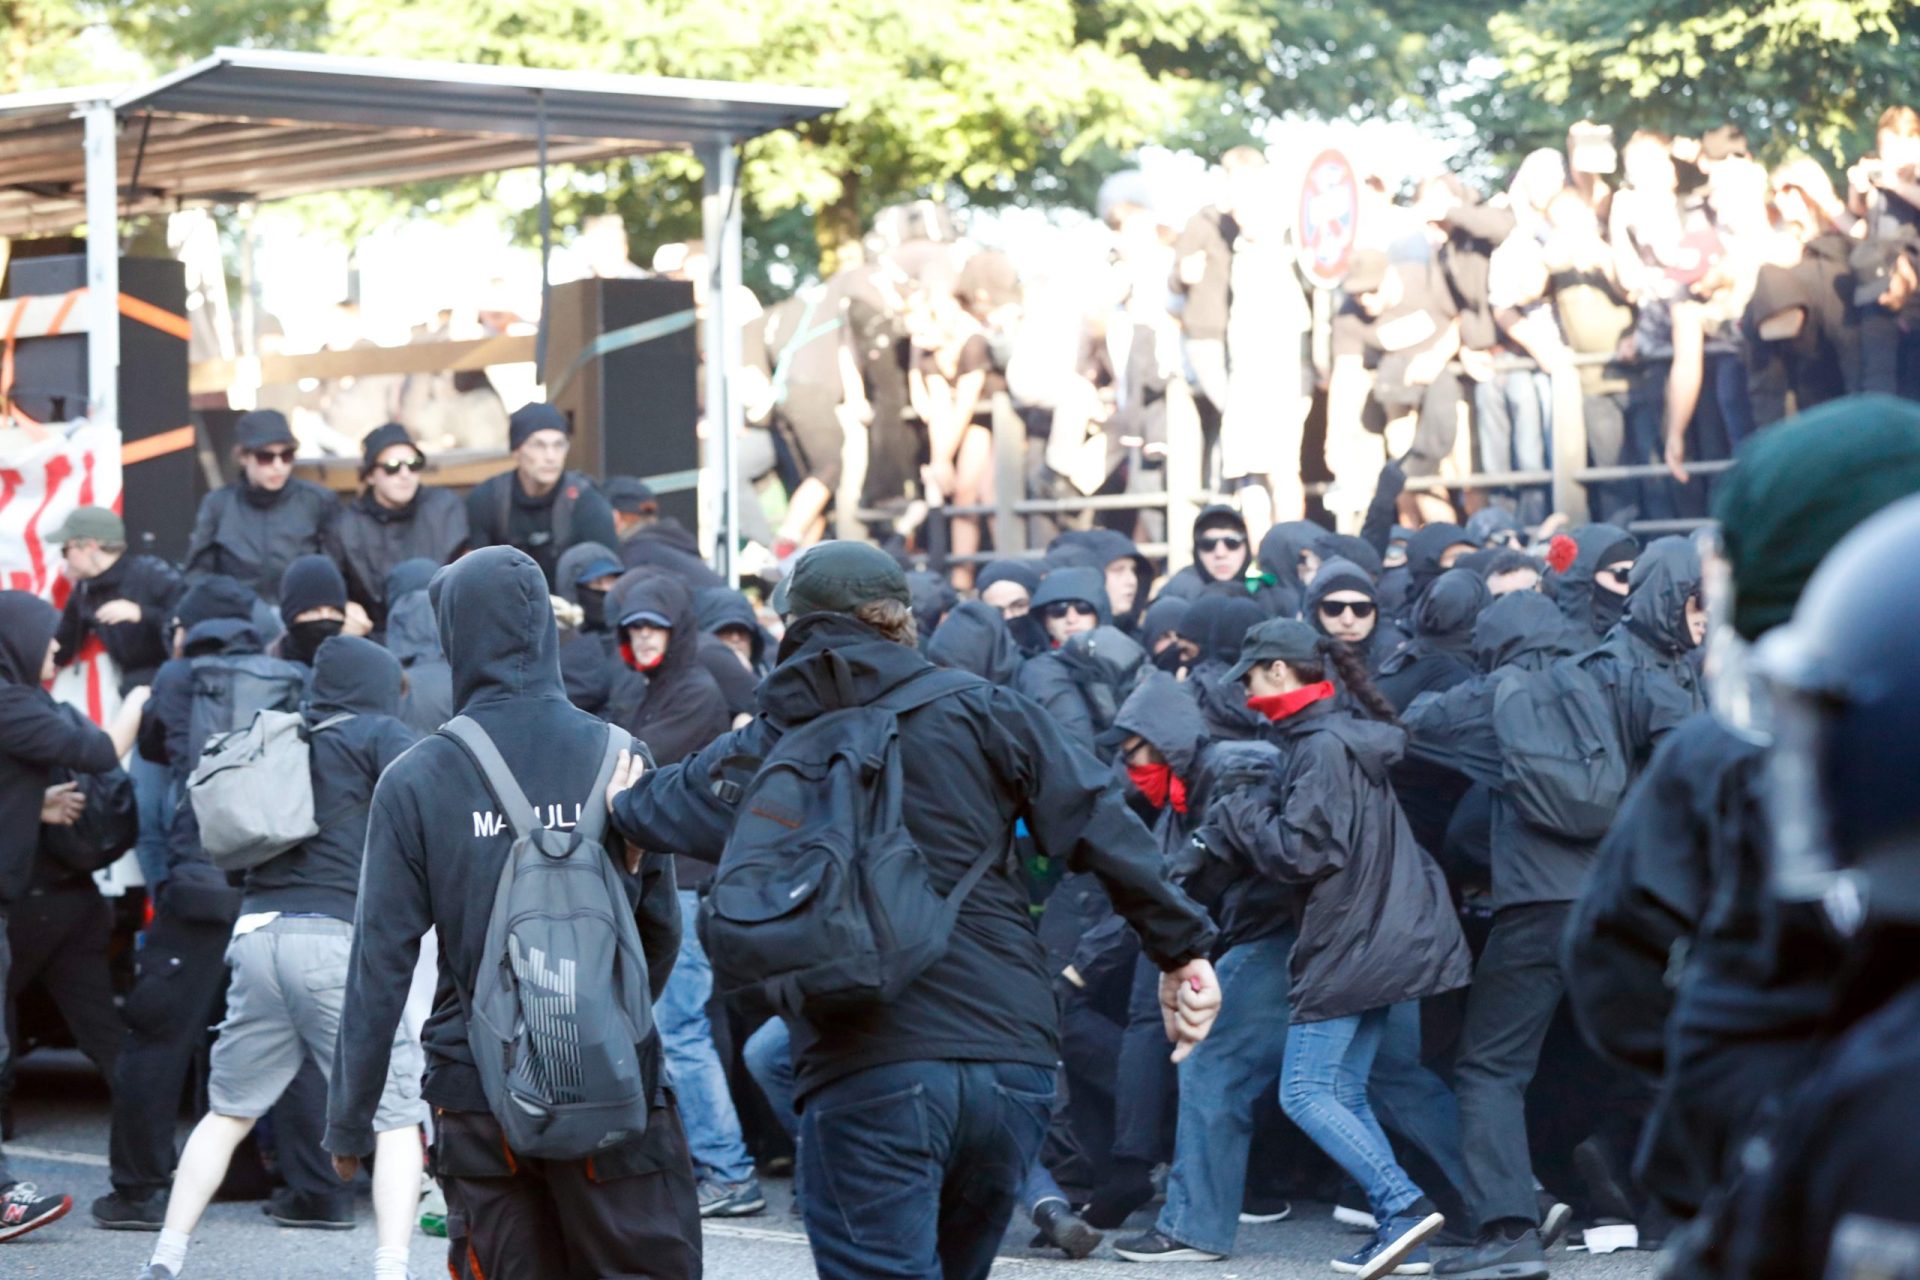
(171, 1250)
(389, 1264)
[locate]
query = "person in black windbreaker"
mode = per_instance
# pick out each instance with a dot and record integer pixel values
(975, 638)
(1092, 666)
(1128, 573)
(540, 507)
(1431, 551)
(589, 649)
(674, 706)
(1289, 556)
(433, 860)
(1215, 626)
(395, 518)
(267, 518)
(1439, 654)
(1592, 590)
(413, 637)
(1221, 555)
(964, 1058)
(733, 646)
(1343, 604)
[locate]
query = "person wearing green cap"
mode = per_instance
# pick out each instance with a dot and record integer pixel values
(964, 1057)
(1684, 870)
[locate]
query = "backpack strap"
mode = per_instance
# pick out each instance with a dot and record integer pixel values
(330, 722)
(593, 814)
(499, 778)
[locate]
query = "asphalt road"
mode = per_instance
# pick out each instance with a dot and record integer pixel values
(61, 1143)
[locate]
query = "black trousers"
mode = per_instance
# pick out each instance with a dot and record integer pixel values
(523, 1219)
(177, 995)
(59, 942)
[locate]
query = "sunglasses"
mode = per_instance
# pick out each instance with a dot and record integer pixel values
(1331, 609)
(1231, 541)
(395, 466)
(1619, 573)
(273, 457)
(1061, 608)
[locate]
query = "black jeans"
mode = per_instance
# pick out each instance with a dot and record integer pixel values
(59, 942)
(911, 1169)
(1516, 989)
(176, 997)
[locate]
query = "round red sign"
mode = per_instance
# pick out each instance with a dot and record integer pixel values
(1329, 218)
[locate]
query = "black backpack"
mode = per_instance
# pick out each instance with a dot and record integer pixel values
(1562, 765)
(230, 689)
(822, 901)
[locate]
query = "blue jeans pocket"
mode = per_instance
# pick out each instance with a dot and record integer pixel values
(879, 1167)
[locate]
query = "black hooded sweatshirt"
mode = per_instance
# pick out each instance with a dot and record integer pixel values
(589, 653)
(137, 648)
(1424, 551)
(1098, 548)
(1337, 574)
(368, 541)
(666, 544)
(1589, 608)
(36, 734)
(976, 762)
(1193, 581)
(1280, 590)
(975, 638)
(413, 637)
(717, 609)
(1439, 655)
(1218, 625)
(436, 843)
(253, 535)
(322, 875)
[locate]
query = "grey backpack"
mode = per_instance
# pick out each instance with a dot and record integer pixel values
(560, 1019)
(252, 791)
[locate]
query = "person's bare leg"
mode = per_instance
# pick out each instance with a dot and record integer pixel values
(1683, 383)
(805, 512)
(973, 468)
(396, 1186)
(203, 1164)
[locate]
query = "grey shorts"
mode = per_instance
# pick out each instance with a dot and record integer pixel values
(283, 1005)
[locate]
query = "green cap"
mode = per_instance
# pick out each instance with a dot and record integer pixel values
(95, 523)
(839, 577)
(1276, 640)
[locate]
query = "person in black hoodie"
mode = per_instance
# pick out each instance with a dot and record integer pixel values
(1289, 557)
(933, 596)
(258, 525)
(589, 650)
(314, 608)
(1438, 655)
(1221, 556)
(36, 736)
(667, 699)
(540, 507)
(649, 538)
(125, 600)
(1343, 604)
(434, 853)
(1215, 626)
(1092, 666)
(732, 646)
(395, 518)
(294, 936)
(964, 1058)
(1592, 589)
(1128, 573)
(975, 638)
(413, 637)
(1431, 551)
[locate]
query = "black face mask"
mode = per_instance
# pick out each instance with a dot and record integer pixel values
(304, 638)
(593, 603)
(1607, 607)
(1170, 659)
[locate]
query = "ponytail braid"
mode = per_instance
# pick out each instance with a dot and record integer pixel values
(1352, 675)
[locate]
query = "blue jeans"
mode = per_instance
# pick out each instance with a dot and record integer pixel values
(1219, 1082)
(1411, 1100)
(1512, 414)
(1324, 1091)
(153, 801)
(699, 1082)
(909, 1170)
(769, 1055)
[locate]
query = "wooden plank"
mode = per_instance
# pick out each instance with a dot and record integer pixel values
(452, 469)
(209, 376)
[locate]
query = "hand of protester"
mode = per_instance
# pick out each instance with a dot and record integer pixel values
(358, 623)
(1189, 1002)
(1677, 458)
(1477, 363)
(61, 806)
(626, 772)
(115, 612)
(346, 1168)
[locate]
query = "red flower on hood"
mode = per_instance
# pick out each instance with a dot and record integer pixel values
(1561, 551)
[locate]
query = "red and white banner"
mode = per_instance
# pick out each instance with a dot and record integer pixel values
(45, 472)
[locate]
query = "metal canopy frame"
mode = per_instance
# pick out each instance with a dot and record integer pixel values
(249, 125)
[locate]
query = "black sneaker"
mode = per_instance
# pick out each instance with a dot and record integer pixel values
(1259, 1207)
(117, 1212)
(24, 1209)
(1499, 1257)
(1060, 1227)
(303, 1211)
(1151, 1246)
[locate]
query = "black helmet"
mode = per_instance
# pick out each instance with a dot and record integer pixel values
(1844, 682)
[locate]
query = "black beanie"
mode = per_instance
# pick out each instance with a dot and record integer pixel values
(214, 596)
(529, 418)
(311, 582)
(1009, 571)
(381, 439)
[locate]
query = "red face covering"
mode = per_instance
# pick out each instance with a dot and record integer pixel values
(1278, 706)
(626, 654)
(1160, 785)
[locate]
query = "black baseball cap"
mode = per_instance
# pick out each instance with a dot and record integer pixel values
(629, 494)
(1276, 640)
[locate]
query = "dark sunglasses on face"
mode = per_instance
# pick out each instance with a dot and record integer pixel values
(1619, 573)
(394, 466)
(268, 457)
(1331, 609)
(1231, 541)
(1061, 608)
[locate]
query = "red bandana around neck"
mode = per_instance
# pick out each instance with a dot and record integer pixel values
(1159, 784)
(626, 652)
(1278, 706)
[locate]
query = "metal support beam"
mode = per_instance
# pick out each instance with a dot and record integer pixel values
(103, 265)
(546, 233)
(720, 214)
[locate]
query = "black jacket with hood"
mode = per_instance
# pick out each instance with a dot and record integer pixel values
(413, 637)
(589, 653)
(368, 541)
(975, 638)
(666, 544)
(1083, 682)
(1376, 922)
(137, 648)
(976, 762)
(1439, 655)
(322, 875)
(1339, 574)
(500, 513)
(1193, 581)
(1590, 609)
(36, 734)
(717, 609)
(1425, 549)
(436, 843)
(1280, 589)
(1098, 548)
(253, 535)
(1218, 625)
(1653, 637)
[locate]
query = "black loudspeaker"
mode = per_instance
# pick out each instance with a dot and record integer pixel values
(160, 493)
(633, 408)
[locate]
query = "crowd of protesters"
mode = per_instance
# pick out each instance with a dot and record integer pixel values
(1347, 811)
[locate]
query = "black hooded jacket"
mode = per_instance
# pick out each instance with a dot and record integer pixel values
(500, 513)
(589, 653)
(1377, 925)
(1439, 655)
(1098, 548)
(976, 762)
(137, 648)
(413, 637)
(436, 843)
(1193, 581)
(666, 544)
(1218, 625)
(717, 609)
(1425, 549)
(1343, 575)
(1653, 637)
(1280, 551)
(975, 638)
(368, 541)
(1590, 609)
(36, 734)
(350, 677)
(253, 535)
